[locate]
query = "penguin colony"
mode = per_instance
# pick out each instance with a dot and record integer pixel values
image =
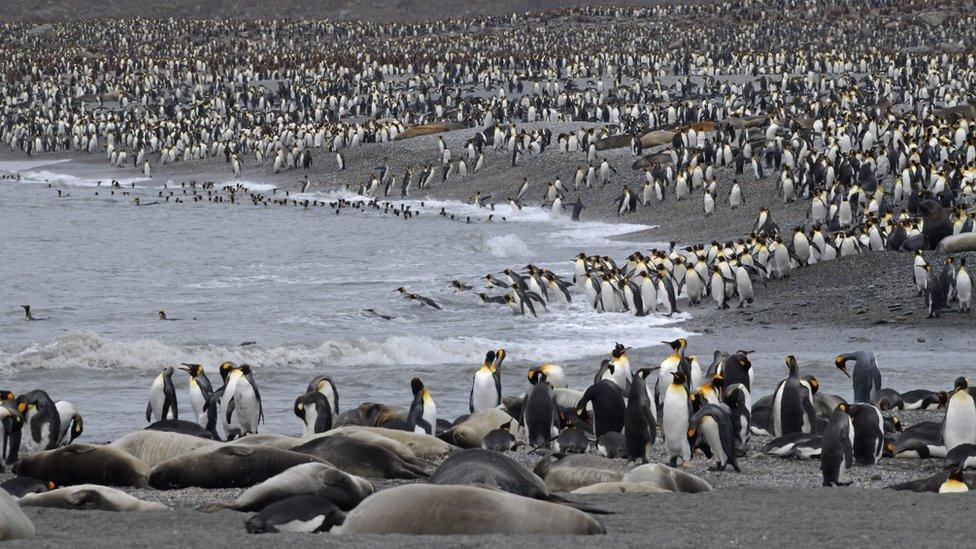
(319, 481)
(870, 147)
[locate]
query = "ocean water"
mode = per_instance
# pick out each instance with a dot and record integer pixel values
(293, 281)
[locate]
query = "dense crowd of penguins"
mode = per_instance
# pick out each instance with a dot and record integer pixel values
(860, 111)
(602, 439)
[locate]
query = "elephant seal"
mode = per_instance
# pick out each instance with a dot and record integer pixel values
(613, 142)
(578, 470)
(424, 509)
(471, 432)
(282, 442)
(653, 159)
(620, 488)
(487, 468)
(228, 466)
(296, 514)
(360, 458)
(668, 478)
(88, 497)
(155, 447)
(307, 479)
(14, 524)
(376, 439)
(423, 446)
(84, 464)
(180, 426)
(936, 224)
(656, 137)
(370, 414)
(964, 242)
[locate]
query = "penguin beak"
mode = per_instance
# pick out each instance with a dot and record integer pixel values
(844, 369)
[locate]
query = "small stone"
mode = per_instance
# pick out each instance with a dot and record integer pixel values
(921, 340)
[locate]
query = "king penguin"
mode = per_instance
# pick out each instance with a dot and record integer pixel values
(539, 411)
(837, 447)
(607, 401)
(241, 402)
(792, 403)
(675, 420)
(200, 391)
(422, 417)
(324, 384)
(315, 411)
(162, 397)
(676, 362)
(959, 425)
(714, 424)
(71, 423)
(41, 419)
(486, 389)
(866, 376)
(640, 427)
(869, 438)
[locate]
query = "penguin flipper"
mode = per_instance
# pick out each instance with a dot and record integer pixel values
(148, 412)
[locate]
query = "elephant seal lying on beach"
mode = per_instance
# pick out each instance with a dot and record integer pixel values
(14, 524)
(667, 478)
(84, 464)
(361, 458)
(307, 479)
(424, 509)
(154, 447)
(228, 466)
(579, 470)
(90, 497)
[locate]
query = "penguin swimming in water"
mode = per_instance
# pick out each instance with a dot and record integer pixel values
(539, 410)
(866, 377)
(675, 420)
(713, 423)
(315, 411)
(837, 447)
(325, 385)
(486, 387)
(41, 419)
(640, 426)
(162, 398)
(959, 424)
(28, 314)
(422, 417)
(200, 391)
(608, 405)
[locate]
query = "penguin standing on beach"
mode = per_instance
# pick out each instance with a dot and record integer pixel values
(866, 377)
(41, 419)
(607, 400)
(314, 410)
(241, 402)
(790, 410)
(675, 420)
(71, 423)
(422, 417)
(200, 391)
(486, 388)
(539, 410)
(713, 423)
(676, 362)
(162, 397)
(324, 384)
(869, 434)
(959, 424)
(640, 427)
(837, 447)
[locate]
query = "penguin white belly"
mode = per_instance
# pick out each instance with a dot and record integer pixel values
(311, 415)
(484, 394)
(709, 429)
(247, 405)
(676, 424)
(777, 411)
(960, 421)
(301, 525)
(157, 398)
(198, 402)
(665, 375)
(234, 425)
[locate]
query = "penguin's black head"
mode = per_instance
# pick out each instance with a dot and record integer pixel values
(300, 407)
(226, 368)
(814, 383)
(791, 361)
(489, 357)
(678, 378)
(245, 369)
(77, 427)
(619, 351)
(608, 365)
(843, 407)
(500, 355)
(192, 369)
(718, 382)
(7, 395)
(961, 383)
(416, 385)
